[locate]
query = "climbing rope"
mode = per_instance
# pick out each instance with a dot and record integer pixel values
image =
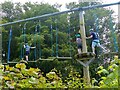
(9, 43)
(39, 43)
(69, 36)
(24, 39)
(56, 38)
(51, 29)
(96, 19)
(21, 46)
(35, 33)
(113, 34)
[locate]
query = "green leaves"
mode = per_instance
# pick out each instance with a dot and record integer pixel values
(21, 66)
(102, 70)
(20, 77)
(33, 80)
(74, 80)
(111, 79)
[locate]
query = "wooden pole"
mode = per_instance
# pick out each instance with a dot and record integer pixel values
(0, 38)
(84, 47)
(82, 30)
(0, 45)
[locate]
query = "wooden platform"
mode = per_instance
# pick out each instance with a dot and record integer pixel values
(84, 56)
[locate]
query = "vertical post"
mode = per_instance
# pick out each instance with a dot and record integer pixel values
(9, 44)
(84, 47)
(35, 51)
(56, 38)
(51, 29)
(82, 30)
(24, 38)
(0, 53)
(69, 36)
(40, 50)
(0, 37)
(0, 45)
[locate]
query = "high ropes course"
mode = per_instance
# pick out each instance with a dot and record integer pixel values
(85, 58)
(84, 53)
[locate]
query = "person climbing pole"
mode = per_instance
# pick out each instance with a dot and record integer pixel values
(95, 40)
(79, 42)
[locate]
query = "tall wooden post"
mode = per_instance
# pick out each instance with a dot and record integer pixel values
(84, 47)
(82, 30)
(0, 38)
(0, 45)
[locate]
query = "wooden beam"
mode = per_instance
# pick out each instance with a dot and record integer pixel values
(87, 63)
(81, 63)
(64, 58)
(90, 61)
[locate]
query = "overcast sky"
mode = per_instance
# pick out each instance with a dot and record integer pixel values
(63, 2)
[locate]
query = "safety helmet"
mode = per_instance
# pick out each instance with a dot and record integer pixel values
(26, 43)
(91, 30)
(78, 35)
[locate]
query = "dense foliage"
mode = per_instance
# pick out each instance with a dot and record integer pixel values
(21, 77)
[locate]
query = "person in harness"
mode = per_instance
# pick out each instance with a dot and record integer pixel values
(95, 40)
(27, 49)
(79, 42)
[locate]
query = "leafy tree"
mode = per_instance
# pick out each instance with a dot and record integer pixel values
(109, 76)
(12, 11)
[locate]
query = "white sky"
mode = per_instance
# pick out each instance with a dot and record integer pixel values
(63, 2)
